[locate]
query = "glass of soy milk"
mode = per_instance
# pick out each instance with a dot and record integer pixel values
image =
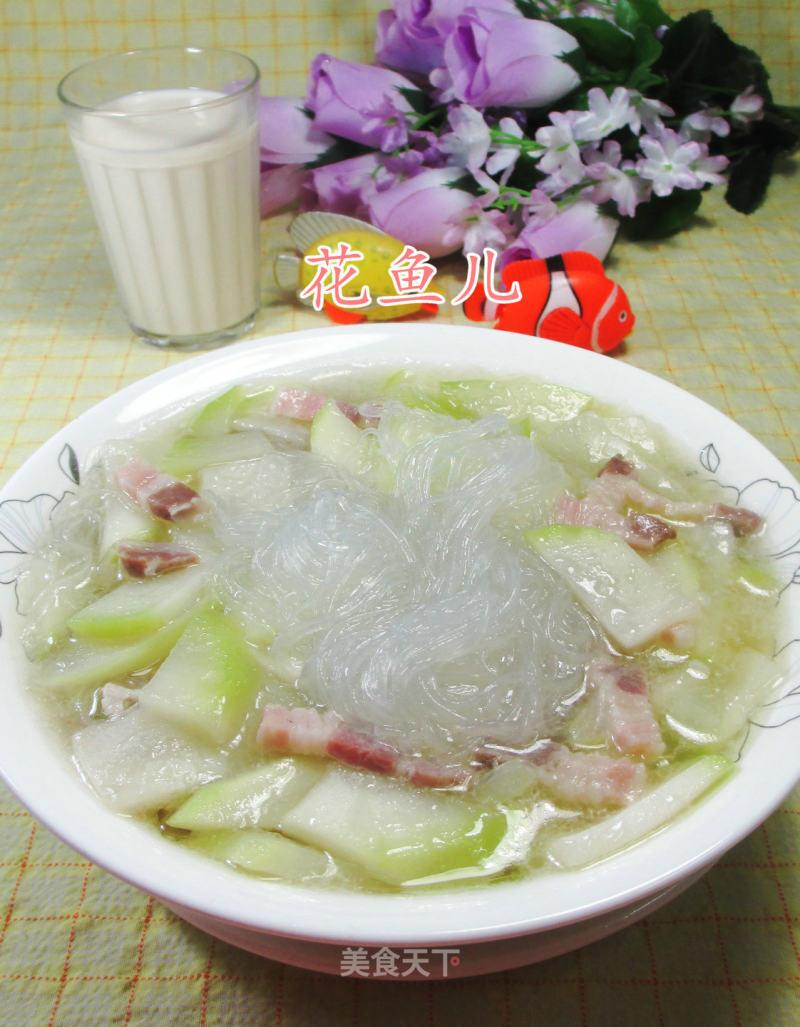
(167, 140)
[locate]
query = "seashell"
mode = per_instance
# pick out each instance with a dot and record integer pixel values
(307, 228)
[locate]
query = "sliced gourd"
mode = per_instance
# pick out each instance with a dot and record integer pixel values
(590, 439)
(254, 798)
(123, 520)
(397, 834)
(78, 665)
(137, 762)
(630, 598)
(262, 852)
(216, 416)
(708, 708)
(208, 682)
(140, 607)
(677, 565)
(419, 391)
(258, 403)
(402, 428)
(519, 399)
(335, 437)
(190, 454)
(755, 579)
(652, 811)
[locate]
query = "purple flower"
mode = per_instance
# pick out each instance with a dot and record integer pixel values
(411, 36)
(357, 101)
(388, 123)
(580, 226)
(501, 59)
(420, 209)
(288, 135)
(279, 186)
(343, 187)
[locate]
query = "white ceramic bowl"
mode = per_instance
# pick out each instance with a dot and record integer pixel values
(490, 927)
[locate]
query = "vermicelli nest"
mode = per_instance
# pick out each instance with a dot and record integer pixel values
(416, 613)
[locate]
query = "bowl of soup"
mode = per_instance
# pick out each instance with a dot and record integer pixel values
(405, 651)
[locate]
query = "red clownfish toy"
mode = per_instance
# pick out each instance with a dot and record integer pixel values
(567, 298)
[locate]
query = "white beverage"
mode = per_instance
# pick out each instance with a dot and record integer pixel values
(172, 175)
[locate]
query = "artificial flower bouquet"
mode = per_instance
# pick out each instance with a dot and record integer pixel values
(529, 126)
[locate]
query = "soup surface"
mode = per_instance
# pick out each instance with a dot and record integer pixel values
(399, 633)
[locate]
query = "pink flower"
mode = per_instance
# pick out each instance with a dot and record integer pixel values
(646, 113)
(709, 169)
(667, 162)
(505, 154)
(748, 106)
(561, 160)
(580, 226)
(604, 116)
(617, 183)
(503, 59)
(468, 144)
(356, 101)
(474, 229)
(703, 123)
(288, 135)
(419, 210)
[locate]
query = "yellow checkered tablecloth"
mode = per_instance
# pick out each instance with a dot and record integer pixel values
(717, 314)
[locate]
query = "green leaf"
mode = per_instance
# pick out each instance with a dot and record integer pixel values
(647, 48)
(748, 178)
(419, 100)
(647, 51)
(526, 174)
(591, 74)
(752, 151)
(341, 149)
(602, 42)
(529, 9)
(631, 15)
(663, 215)
(702, 64)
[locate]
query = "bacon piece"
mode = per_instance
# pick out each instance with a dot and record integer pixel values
(147, 559)
(646, 532)
(307, 732)
(136, 477)
(304, 405)
(617, 465)
(616, 484)
(583, 777)
(642, 532)
(358, 749)
(623, 707)
(164, 496)
(744, 522)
